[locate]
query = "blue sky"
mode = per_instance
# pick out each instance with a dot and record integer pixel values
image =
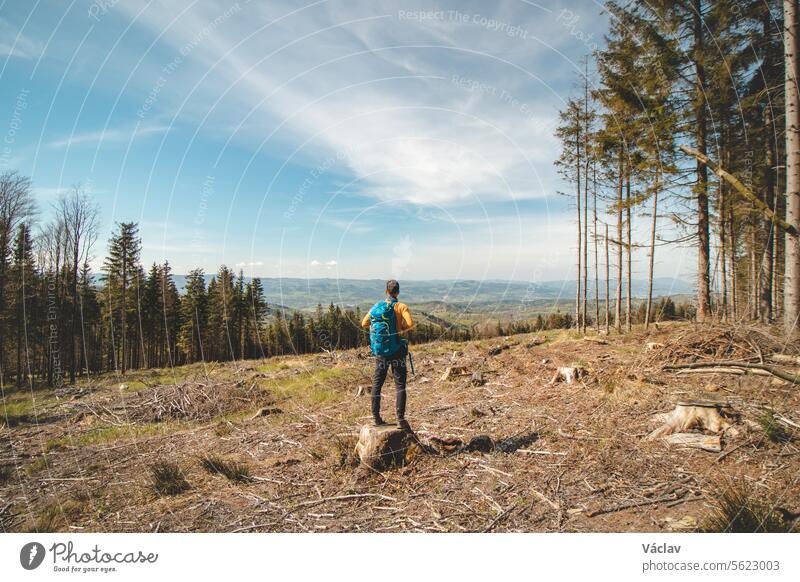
(330, 138)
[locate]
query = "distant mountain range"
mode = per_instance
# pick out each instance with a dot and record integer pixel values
(299, 293)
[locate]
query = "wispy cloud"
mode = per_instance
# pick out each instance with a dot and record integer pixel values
(429, 112)
(14, 44)
(108, 136)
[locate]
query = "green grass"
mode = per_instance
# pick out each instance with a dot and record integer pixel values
(274, 367)
(99, 436)
(232, 469)
(310, 387)
(167, 478)
(20, 407)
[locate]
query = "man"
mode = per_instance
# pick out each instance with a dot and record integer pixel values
(386, 321)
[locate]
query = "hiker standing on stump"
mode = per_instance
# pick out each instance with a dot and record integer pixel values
(386, 320)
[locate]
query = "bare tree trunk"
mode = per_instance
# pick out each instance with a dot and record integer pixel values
(732, 249)
(722, 245)
(618, 313)
(769, 194)
(578, 200)
(594, 231)
(791, 285)
(703, 251)
(585, 245)
(585, 192)
(124, 308)
(608, 285)
(648, 313)
(628, 246)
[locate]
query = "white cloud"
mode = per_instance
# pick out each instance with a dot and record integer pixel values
(105, 136)
(445, 121)
(331, 263)
(14, 44)
(314, 263)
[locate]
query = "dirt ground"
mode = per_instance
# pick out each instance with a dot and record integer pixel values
(567, 457)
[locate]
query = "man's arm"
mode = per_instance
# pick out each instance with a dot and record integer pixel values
(365, 321)
(404, 320)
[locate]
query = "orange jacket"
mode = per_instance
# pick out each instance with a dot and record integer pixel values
(403, 315)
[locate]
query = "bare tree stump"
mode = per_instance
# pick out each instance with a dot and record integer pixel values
(692, 414)
(453, 372)
(568, 374)
(382, 447)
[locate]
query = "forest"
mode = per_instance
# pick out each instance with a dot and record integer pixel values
(60, 321)
(686, 120)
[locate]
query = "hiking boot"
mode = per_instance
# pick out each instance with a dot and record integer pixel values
(380, 422)
(403, 424)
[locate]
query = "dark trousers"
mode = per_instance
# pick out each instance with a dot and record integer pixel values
(398, 364)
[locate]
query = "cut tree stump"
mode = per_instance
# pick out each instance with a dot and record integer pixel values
(652, 346)
(453, 372)
(382, 447)
(692, 414)
(568, 374)
(477, 379)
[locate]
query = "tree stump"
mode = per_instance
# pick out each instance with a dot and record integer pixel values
(692, 414)
(382, 447)
(453, 372)
(568, 374)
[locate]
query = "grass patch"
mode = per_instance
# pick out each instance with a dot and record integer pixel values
(231, 469)
(773, 429)
(54, 516)
(99, 436)
(21, 408)
(168, 478)
(344, 451)
(738, 510)
(274, 367)
(310, 387)
(6, 473)
(37, 465)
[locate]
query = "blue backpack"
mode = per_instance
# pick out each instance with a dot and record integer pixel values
(383, 328)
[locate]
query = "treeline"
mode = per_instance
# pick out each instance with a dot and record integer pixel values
(60, 321)
(688, 118)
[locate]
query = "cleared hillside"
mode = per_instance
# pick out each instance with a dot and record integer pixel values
(268, 445)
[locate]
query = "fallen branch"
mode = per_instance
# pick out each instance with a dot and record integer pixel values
(544, 498)
(343, 498)
(499, 518)
(793, 378)
(630, 504)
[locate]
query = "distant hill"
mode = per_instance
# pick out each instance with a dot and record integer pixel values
(299, 293)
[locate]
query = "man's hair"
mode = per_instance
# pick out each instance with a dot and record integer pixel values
(392, 287)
